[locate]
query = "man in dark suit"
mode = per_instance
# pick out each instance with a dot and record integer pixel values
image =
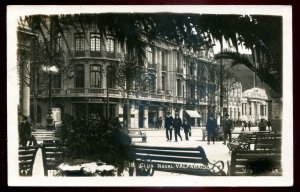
(169, 126)
(227, 126)
(211, 127)
(177, 126)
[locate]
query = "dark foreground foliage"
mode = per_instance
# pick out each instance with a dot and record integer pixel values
(95, 139)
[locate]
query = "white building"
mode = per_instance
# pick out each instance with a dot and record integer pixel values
(254, 105)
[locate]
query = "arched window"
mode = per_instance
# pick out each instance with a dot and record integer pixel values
(95, 42)
(79, 42)
(110, 44)
(95, 75)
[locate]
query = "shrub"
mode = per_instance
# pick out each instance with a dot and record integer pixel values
(95, 139)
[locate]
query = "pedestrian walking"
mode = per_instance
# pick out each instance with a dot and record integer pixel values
(187, 128)
(245, 125)
(249, 125)
(227, 127)
(211, 127)
(169, 126)
(269, 124)
(177, 126)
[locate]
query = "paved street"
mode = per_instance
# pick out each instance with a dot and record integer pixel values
(214, 152)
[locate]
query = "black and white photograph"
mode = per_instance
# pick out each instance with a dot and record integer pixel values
(149, 95)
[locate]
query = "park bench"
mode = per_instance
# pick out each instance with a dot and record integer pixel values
(138, 134)
(267, 141)
(191, 161)
(242, 142)
(255, 163)
(26, 159)
(52, 155)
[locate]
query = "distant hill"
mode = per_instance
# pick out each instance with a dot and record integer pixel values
(246, 77)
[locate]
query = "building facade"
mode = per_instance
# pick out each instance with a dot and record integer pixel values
(177, 80)
(233, 101)
(174, 79)
(255, 105)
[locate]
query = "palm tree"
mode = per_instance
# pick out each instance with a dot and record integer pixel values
(262, 35)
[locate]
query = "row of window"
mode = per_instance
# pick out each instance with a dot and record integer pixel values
(96, 81)
(262, 109)
(95, 43)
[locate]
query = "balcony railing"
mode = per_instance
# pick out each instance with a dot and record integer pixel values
(114, 91)
(144, 94)
(96, 90)
(103, 54)
(77, 90)
(79, 54)
(96, 54)
(93, 91)
(110, 54)
(57, 91)
(156, 96)
(168, 97)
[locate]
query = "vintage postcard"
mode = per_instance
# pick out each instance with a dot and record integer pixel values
(149, 95)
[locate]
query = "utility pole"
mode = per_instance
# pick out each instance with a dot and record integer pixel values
(221, 86)
(107, 94)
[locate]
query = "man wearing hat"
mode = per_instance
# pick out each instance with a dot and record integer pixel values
(177, 126)
(211, 127)
(227, 126)
(169, 126)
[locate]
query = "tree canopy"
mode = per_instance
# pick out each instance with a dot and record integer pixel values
(261, 34)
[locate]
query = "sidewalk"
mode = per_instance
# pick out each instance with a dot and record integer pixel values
(214, 152)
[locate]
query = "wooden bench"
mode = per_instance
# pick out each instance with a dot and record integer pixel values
(242, 142)
(26, 159)
(191, 161)
(255, 163)
(52, 155)
(138, 134)
(268, 141)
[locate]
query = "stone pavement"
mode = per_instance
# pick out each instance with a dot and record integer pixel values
(214, 152)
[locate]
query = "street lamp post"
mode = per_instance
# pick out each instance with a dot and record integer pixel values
(49, 117)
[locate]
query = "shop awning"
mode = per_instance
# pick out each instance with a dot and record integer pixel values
(193, 114)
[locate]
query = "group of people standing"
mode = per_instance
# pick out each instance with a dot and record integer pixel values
(176, 124)
(212, 128)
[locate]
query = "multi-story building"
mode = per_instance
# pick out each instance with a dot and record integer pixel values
(177, 80)
(233, 101)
